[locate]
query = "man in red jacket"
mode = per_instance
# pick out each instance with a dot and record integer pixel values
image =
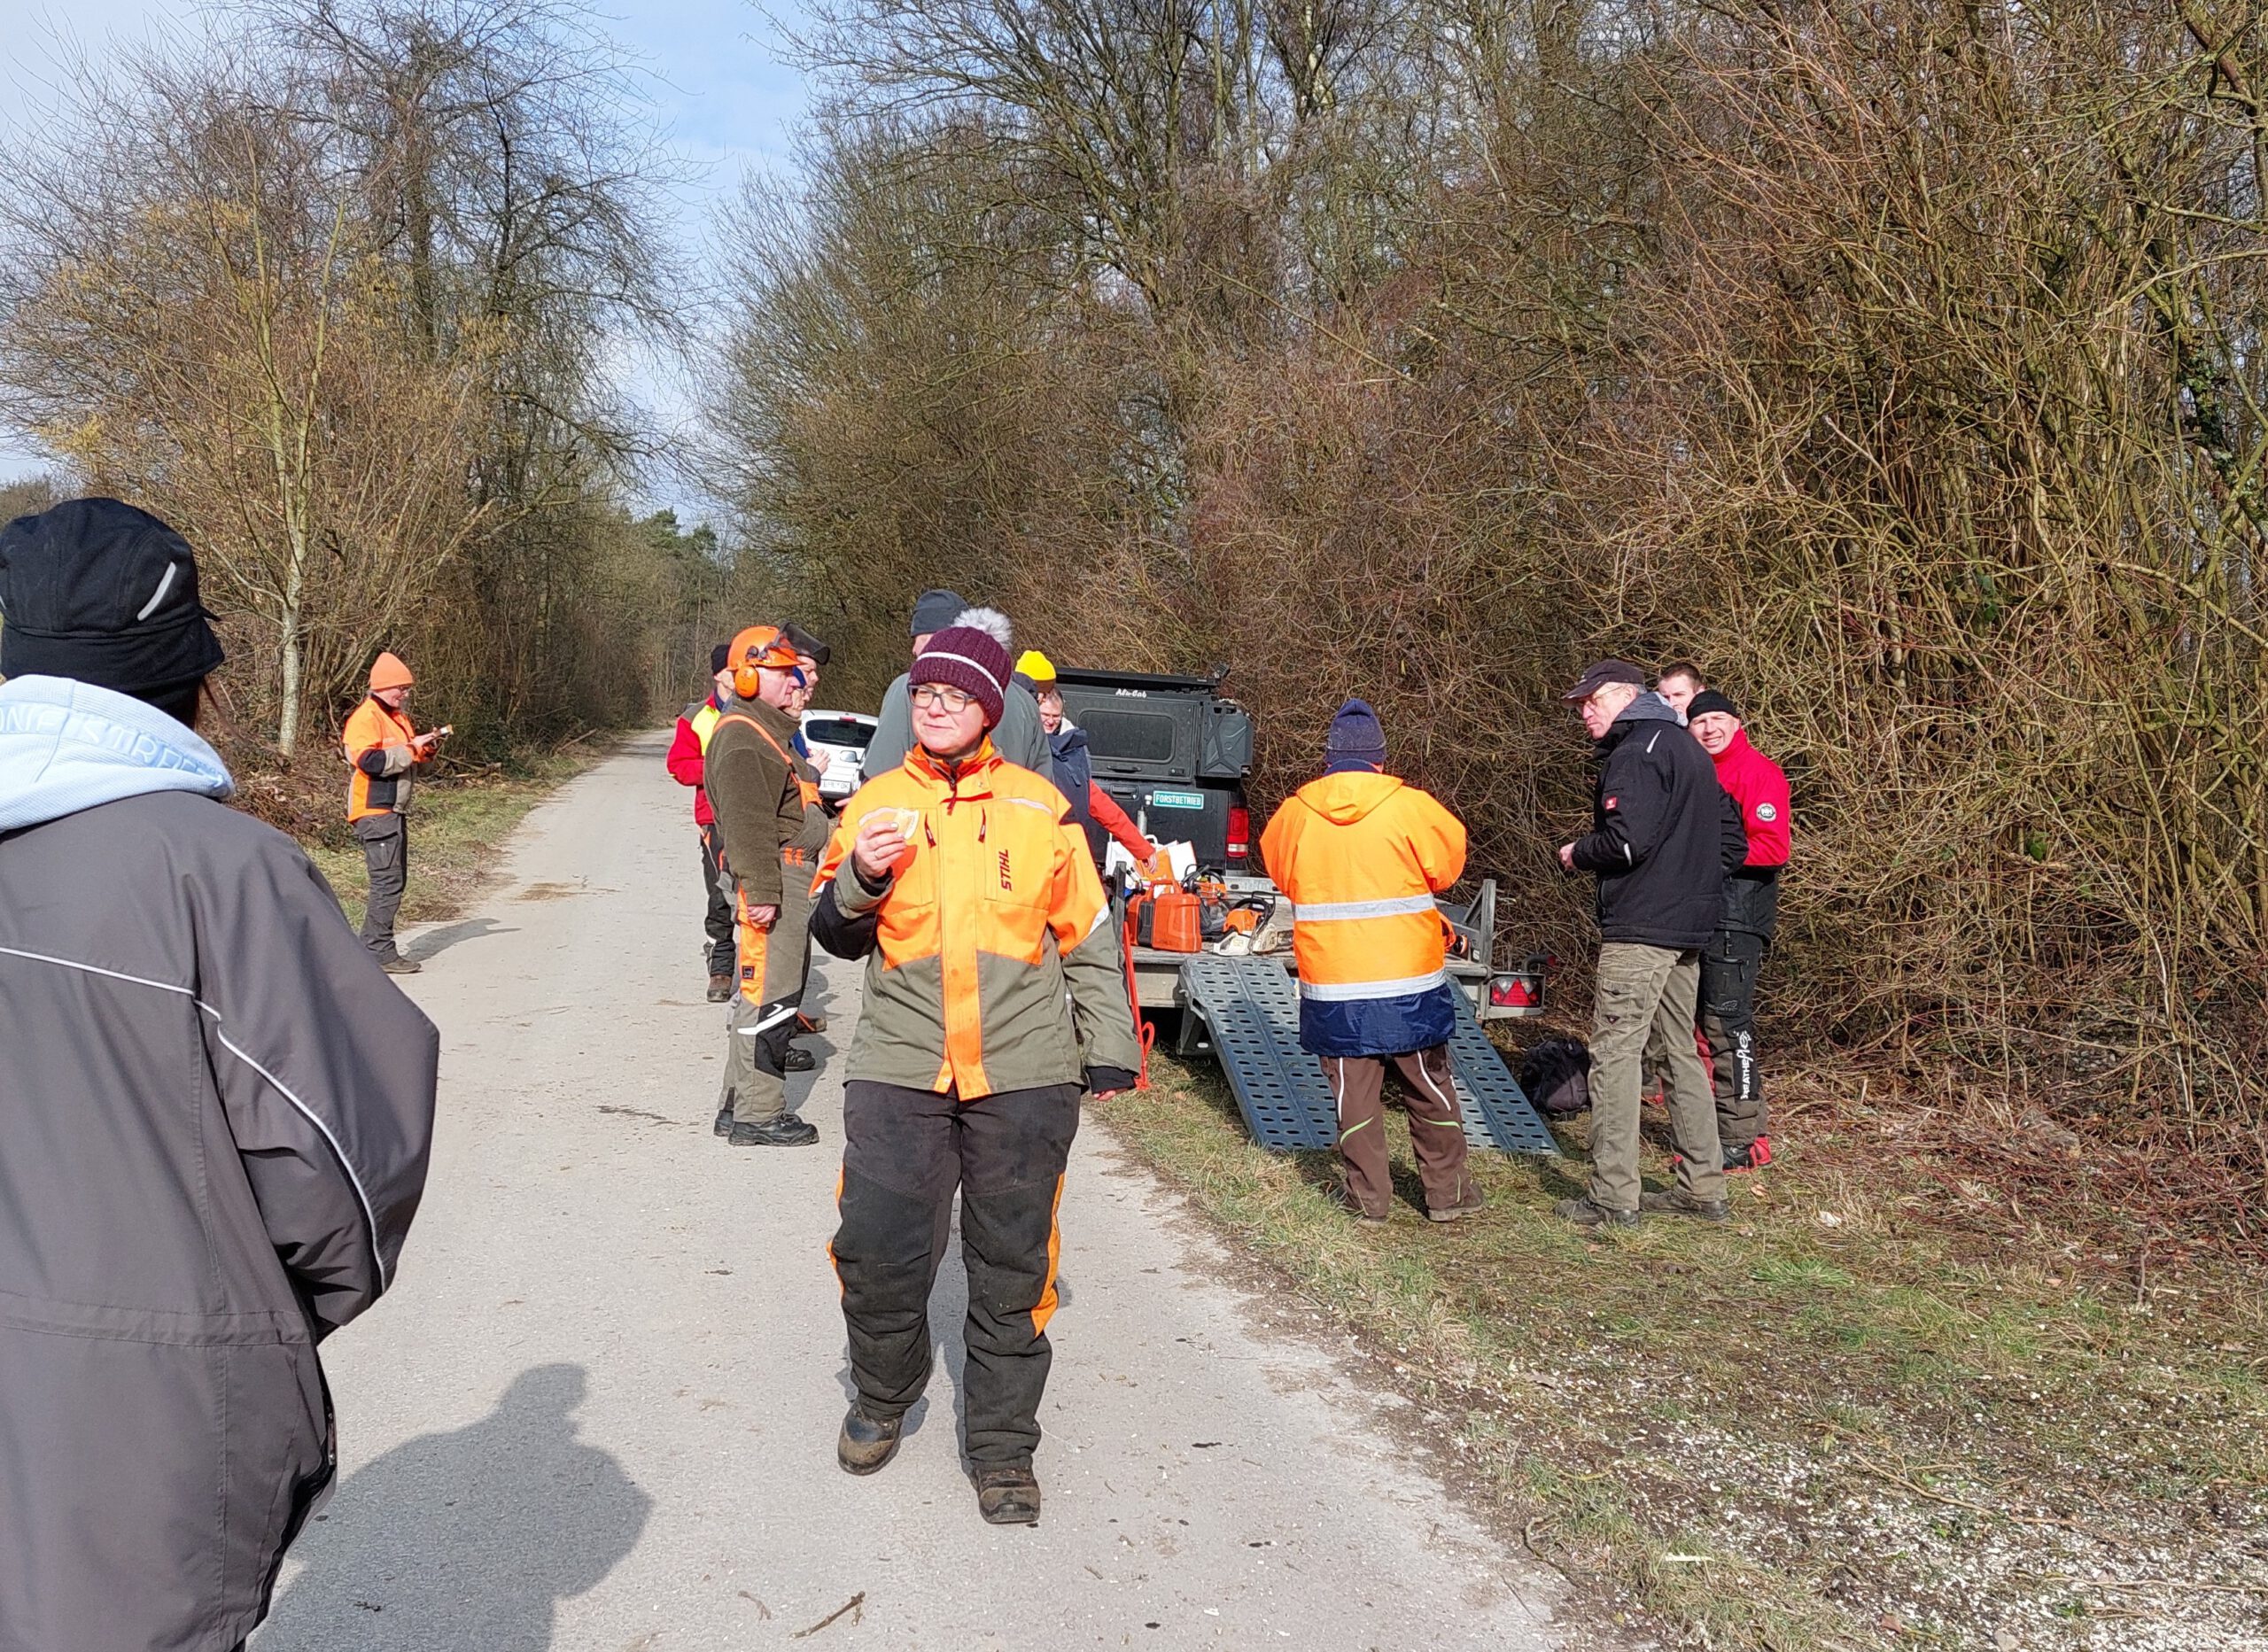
(689, 761)
(1730, 964)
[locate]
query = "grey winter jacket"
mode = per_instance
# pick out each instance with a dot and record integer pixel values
(1020, 738)
(214, 1114)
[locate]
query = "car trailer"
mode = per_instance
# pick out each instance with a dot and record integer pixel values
(1242, 1006)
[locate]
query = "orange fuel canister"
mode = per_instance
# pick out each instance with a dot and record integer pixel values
(1175, 922)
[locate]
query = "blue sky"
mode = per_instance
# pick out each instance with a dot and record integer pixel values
(716, 77)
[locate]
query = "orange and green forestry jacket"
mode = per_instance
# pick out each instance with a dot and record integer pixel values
(1362, 855)
(992, 963)
(759, 798)
(377, 743)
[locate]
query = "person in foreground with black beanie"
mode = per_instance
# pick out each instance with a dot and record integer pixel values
(215, 1116)
(995, 994)
(689, 761)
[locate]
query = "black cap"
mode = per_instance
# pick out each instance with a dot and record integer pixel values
(720, 658)
(1602, 673)
(810, 647)
(1710, 700)
(934, 610)
(102, 592)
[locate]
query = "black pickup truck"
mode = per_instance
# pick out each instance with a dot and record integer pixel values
(1173, 751)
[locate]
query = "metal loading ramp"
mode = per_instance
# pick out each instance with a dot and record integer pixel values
(1251, 1007)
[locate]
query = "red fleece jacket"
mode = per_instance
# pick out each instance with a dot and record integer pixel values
(1761, 788)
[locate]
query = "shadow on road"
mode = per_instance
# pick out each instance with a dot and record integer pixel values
(441, 940)
(465, 1541)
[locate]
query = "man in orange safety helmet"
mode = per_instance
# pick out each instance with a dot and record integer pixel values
(1362, 856)
(764, 813)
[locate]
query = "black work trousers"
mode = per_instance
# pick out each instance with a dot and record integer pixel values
(905, 1152)
(385, 854)
(1728, 970)
(717, 920)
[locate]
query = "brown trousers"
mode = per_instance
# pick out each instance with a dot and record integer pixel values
(1436, 1127)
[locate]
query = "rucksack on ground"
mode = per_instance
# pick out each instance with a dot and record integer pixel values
(1557, 1075)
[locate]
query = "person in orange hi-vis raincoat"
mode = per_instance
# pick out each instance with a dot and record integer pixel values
(385, 750)
(1362, 855)
(994, 995)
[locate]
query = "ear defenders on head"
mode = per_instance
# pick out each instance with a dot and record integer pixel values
(756, 650)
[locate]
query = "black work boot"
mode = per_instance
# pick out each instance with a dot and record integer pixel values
(400, 966)
(866, 1442)
(797, 1060)
(1583, 1214)
(1678, 1202)
(724, 1125)
(720, 989)
(783, 1129)
(1008, 1497)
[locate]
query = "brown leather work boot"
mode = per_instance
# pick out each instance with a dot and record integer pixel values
(1678, 1202)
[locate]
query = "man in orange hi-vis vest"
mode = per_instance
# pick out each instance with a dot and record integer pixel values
(385, 751)
(764, 809)
(1362, 856)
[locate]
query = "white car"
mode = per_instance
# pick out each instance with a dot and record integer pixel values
(843, 736)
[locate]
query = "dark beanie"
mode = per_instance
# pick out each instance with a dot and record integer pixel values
(810, 647)
(102, 592)
(934, 610)
(1710, 700)
(963, 658)
(720, 658)
(1355, 737)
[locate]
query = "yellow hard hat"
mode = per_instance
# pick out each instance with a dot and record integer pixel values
(1036, 666)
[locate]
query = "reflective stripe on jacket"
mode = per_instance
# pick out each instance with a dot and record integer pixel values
(1362, 856)
(377, 737)
(992, 964)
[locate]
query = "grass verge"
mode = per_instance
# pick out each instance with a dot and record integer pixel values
(1842, 1420)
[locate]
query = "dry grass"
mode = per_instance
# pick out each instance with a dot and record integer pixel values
(1841, 1420)
(457, 834)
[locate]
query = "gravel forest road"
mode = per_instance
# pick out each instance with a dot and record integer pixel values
(598, 1411)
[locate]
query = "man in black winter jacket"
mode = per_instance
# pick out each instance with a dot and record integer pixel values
(1664, 835)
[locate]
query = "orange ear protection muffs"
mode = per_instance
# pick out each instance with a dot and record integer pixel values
(758, 649)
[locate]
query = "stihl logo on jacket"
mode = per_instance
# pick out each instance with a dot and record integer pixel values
(997, 966)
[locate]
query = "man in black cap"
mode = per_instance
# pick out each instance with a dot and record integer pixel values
(215, 1113)
(1020, 738)
(1663, 836)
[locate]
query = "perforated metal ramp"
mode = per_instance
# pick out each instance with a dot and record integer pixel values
(1254, 1011)
(1496, 1110)
(1252, 1008)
